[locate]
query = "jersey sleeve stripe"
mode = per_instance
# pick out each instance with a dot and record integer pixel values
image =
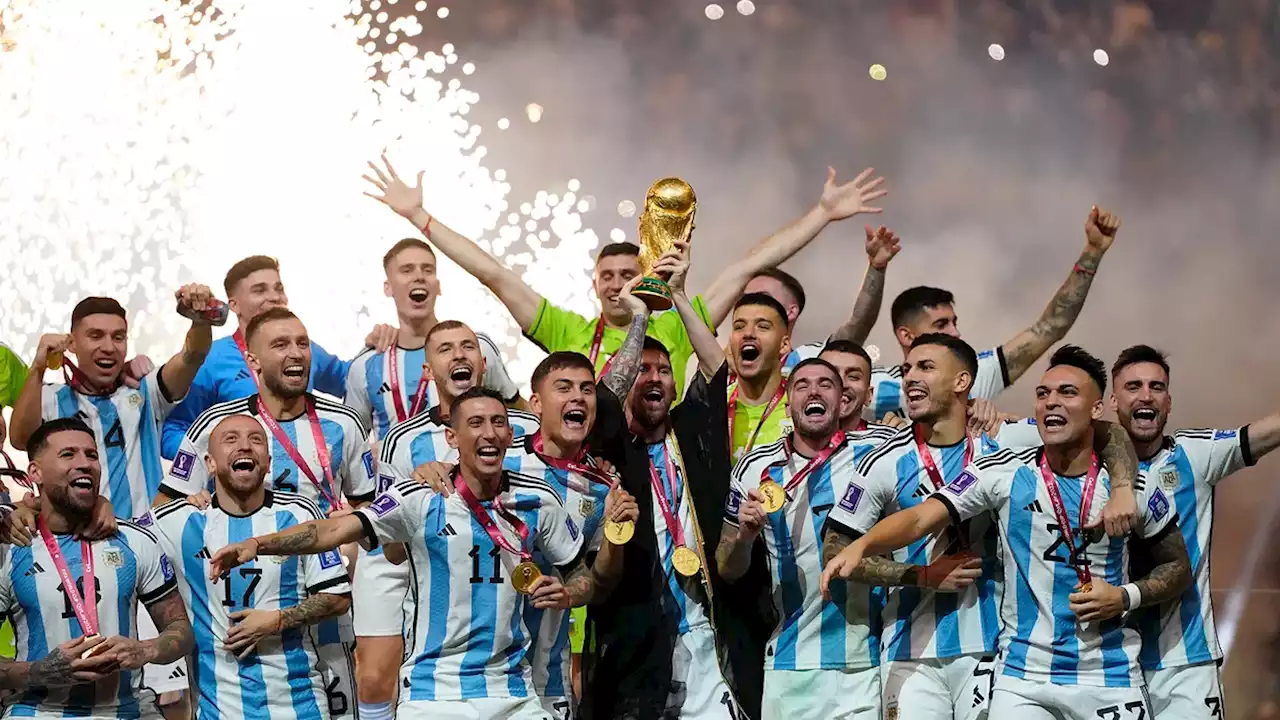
(207, 418)
(900, 440)
(121, 522)
(398, 431)
(530, 483)
(1195, 433)
(1004, 366)
(170, 508)
(1006, 457)
(951, 507)
(326, 584)
(159, 594)
(367, 531)
(763, 452)
(408, 487)
(1246, 452)
(339, 409)
(307, 505)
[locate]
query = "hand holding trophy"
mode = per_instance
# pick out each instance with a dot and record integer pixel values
(669, 209)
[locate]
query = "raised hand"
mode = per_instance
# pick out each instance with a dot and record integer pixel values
(1100, 229)
(136, 369)
(232, 556)
(195, 298)
(983, 417)
(751, 515)
(50, 344)
(675, 265)
(620, 506)
(202, 499)
(851, 198)
(20, 524)
(632, 303)
(882, 246)
(394, 192)
(102, 522)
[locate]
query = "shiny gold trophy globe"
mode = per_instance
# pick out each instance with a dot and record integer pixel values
(669, 207)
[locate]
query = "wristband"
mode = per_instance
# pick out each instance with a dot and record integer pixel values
(1132, 597)
(426, 226)
(1085, 271)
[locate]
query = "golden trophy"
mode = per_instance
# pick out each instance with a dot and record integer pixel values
(669, 207)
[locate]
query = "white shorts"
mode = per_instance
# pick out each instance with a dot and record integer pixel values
(338, 671)
(1190, 692)
(834, 694)
(1028, 700)
(377, 596)
(478, 709)
(698, 690)
(559, 708)
(171, 677)
(958, 687)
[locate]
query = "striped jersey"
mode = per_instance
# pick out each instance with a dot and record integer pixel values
(466, 636)
(1187, 468)
(281, 679)
(684, 593)
(919, 624)
(812, 633)
(1041, 639)
(127, 424)
(130, 568)
(369, 386)
(583, 500)
(351, 459)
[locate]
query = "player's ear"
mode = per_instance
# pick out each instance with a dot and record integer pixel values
(210, 465)
(451, 437)
(1113, 403)
(964, 383)
(535, 403)
(386, 288)
(1096, 412)
(252, 361)
(904, 335)
(786, 345)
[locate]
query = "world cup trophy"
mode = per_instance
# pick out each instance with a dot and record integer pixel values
(669, 207)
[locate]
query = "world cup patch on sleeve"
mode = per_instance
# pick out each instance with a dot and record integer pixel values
(368, 463)
(962, 483)
(383, 504)
(733, 503)
(571, 527)
(1224, 434)
(144, 521)
(330, 559)
(166, 570)
(852, 496)
(385, 481)
(1158, 505)
(182, 464)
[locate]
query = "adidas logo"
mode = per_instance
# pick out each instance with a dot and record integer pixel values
(386, 388)
(921, 492)
(178, 674)
(244, 375)
(1034, 506)
(82, 415)
(203, 554)
(34, 570)
(448, 531)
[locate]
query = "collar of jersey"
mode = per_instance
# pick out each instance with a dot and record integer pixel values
(266, 503)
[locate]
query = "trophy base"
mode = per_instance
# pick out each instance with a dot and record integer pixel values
(654, 292)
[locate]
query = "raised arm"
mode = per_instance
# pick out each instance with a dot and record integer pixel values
(710, 354)
(308, 538)
(895, 531)
(521, 300)
(625, 364)
(1026, 347)
(837, 203)
(882, 246)
(26, 415)
(1117, 454)
(181, 369)
(733, 554)
(1264, 436)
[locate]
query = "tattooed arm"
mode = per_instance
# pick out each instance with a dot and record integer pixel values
(1171, 575)
(308, 538)
(948, 573)
(625, 364)
(882, 245)
(61, 668)
(317, 607)
(1026, 347)
(592, 582)
(1116, 452)
(176, 637)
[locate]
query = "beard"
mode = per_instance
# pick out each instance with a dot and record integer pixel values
(278, 388)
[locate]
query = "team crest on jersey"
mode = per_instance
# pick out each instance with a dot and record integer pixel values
(962, 483)
(166, 570)
(329, 559)
(852, 496)
(182, 464)
(891, 713)
(1169, 479)
(279, 559)
(113, 559)
(383, 504)
(787, 426)
(135, 399)
(586, 507)
(1158, 505)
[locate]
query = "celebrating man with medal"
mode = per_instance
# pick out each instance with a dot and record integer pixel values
(73, 601)
(472, 555)
(1064, 645)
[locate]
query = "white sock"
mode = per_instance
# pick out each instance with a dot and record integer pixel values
(376, 711)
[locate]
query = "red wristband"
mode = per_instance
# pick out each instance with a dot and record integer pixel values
(426, 227)
(1084, 270)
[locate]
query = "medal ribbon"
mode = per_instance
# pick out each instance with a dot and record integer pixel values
(837, 441)
(1060, 509)
(595, 347)
(76, 378)
(673, 522)
(86, 612)
(238, 337)
(419, 395)
(327, 490)
(490, 525)
(11, 470)
(926, 459)
(576, 465)
(768, 410)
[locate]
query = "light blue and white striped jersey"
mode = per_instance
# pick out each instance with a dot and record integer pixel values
(920, 624)
(281, 679)
(369, 387)
(466, 634)
(812, 633)
(684, 592)
(1041, 639)
(351, 459)
(130, 568)
(127, 426)
(584, 502)
(1187, 468)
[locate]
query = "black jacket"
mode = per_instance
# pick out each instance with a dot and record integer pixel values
(635, 630)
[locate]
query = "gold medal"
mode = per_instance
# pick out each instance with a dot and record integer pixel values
(524, 576)
(93, 650)
(774, 496)
(1086, 587)
(686, 561)
(53, 361)
(619, 533)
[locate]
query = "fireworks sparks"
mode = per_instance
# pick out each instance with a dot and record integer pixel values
(146, 143)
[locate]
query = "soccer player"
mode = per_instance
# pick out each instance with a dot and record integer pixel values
(823, 659)
(920, 310)
(853, 364)
(1180, 652)
(454, 355)
(254, 650)
(253, 286)
(938, 648)
(759, 339)
(319, 449)
(126, 421)
(78, 652)
(389, 387)
(555, 328)
(1066, 650)
(472, 557)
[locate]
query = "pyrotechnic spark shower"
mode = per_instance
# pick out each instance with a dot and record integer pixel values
(147, 143)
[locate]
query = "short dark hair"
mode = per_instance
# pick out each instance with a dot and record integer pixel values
(400, 247)
(655, 344)
(846, 346)
(618, 248)
(559, 360)
(472, 394)
(446, 325)
(246, 267)
(912, 301)
(276, 313)
(961, 349)
(819, 362)
(1140, 354)
(96, 306)
(1077, 357)
(764, 300)
(788, 281)
(39, 439)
